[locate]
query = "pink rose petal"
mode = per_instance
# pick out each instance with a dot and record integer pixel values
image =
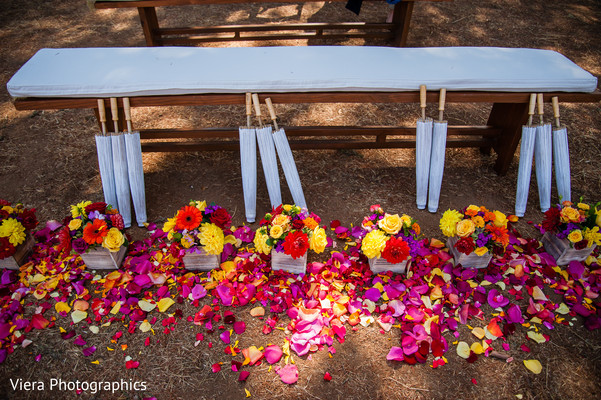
(395, 354)
(288, 374)
(273, 354)
(239, 327)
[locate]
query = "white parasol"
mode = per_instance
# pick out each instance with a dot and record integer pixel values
(543, 158)
(439, 144)
(268, 157)
(120, 167)
(423, 149)
(135, 166)
(105, 158)
(561, 156)
(248, 163)
(287, 159)
(525, 167)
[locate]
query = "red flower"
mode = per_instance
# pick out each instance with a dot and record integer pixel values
(499, 234)
(98, 206)
(296, 244)
(64, 237)
(221, 218)
(581, 244)
(6, 248)
(551, 221)
(465, 245)
(298, 224)
(117, 221)
(29, 220)
(396, 250)
(188, 217)
(95, 231)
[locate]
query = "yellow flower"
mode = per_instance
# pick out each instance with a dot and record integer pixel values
(598, 220)
(281, 220)
(13, 230)
(472, 210)
(113, 240)
(201, 205)
(592, 236)
(500, 219)
(287, 207)
(79, 209)
(449, 221)
(583, 206)
(75, 224)
(187, 241)
(276, 231)
(310, 223)
(169, 225)
(570, 214)
(318, 240)
(575, 236)
(406, 220)
(465, 228)
(260, 242)
(8, 209)
(391, 224)
(373, 243)
(478, 221)
(211, 237)
(481, 251)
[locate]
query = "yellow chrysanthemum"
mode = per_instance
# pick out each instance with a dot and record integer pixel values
(113, 240)
(79, 209)
(449, 221)
(260, 242)
(276, 231)
(169, 225)
(575, 236)
(391, 224)
(211, 237)
(74, 224)
(373, 243)
(318, 240)
(478, 221)
(13, 230)
(500, 219)
(592, 236)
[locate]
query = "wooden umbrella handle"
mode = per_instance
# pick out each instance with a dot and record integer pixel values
(555, 101)
(127, 110)
(257, 105)
(102, 115)
(541, 109)
(249, 108)
(531, 108)
(271, 112)
(115, 113)
(422, 100)
(441, 102)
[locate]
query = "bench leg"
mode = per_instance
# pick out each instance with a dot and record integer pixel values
(150, 25)
(509, 117)
(401, 18)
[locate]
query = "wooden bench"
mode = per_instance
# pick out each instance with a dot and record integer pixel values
(395, 31)
(56, 86)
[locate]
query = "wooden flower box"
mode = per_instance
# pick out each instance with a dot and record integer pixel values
(22, 252)
(287, 263)
(561, 251)
(101, 258)
(378, 265)
(471, 260)
(196, 259)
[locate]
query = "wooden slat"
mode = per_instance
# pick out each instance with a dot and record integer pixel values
(270, 36)
(274, 27)
(161, 3)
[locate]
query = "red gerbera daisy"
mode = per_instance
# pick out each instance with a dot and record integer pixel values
(396, 250)
(296, 244)
(95, 231)
(6, 248)
(188, 217)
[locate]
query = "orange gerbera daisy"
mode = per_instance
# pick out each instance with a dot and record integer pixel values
(499, 234)
(188, 217)
(95, 231)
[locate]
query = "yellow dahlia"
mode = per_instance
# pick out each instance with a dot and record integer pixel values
(13, 230)
(449, 221)
(373, 243)
(211, 237)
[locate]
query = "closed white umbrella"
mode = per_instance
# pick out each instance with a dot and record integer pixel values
(525, 167)
(135, 166)
(105, 159)
(423, 149)
(120, 167)
(543, 158)
(248, 164)
(439, 144)
(268, 157)
(287, 160)
(561, 156)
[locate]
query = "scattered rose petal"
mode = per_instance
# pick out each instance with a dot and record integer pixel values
(288, 374)
(165, 303)
(463, 350)
(395, 354)
(327, 377)
(257, 312)
(216, 367)
(243, 376)
(78, 316)
(273, 354)
(88, 351)
(146, 305)
(39, 322)
(130, 364)
(534, 366)
(239, 327)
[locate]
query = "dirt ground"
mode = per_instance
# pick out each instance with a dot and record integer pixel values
(48, 161)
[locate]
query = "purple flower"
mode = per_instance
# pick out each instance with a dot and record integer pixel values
(79, 245)
(482, 240)
(95, 215)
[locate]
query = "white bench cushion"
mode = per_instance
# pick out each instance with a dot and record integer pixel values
(105, 72)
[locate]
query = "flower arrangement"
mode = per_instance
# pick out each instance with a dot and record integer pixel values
(478, 229)
(90, 226)
(578, 223)
(14, 224)
(199, 225)
(390, 236)
(291, 230)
